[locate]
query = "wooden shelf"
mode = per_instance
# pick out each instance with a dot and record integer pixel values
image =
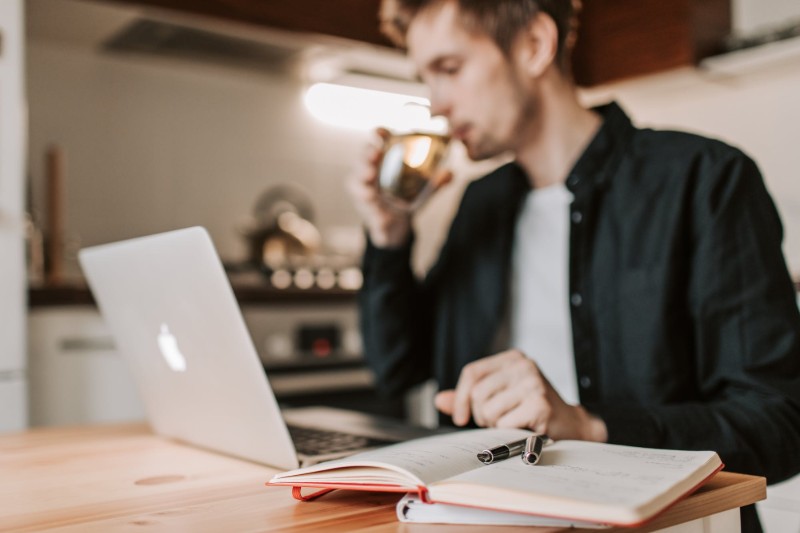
(77, 293)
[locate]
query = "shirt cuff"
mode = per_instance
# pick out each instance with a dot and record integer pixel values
(630, 426)
(387, 261)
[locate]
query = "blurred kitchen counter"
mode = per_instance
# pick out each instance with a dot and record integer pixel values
(247, 293)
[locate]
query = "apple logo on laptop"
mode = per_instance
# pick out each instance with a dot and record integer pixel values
(168, 345)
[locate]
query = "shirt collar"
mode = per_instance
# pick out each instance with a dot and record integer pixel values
(597, 163)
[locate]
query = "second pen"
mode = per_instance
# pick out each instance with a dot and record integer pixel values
(503, 451)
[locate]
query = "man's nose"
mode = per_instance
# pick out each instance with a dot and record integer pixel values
(440, 107)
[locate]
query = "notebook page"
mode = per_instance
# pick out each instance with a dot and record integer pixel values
(426, 460)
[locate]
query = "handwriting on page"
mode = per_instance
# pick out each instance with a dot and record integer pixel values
(666, 459)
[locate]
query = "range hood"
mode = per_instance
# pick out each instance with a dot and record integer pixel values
(759, 51)
(765, 34)
(148, 33)
(162, 38)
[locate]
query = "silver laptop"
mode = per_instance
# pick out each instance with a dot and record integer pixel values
(174, 317)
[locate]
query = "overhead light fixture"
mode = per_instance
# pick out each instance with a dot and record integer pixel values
(368, 89)
(753, 59)
(756, 52)
(366, 109)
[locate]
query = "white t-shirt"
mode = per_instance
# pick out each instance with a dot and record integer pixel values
(540, 324)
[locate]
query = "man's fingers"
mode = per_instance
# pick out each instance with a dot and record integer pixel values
(534, 414)
(483, 393)
(442, 178)
(497, 406)
(461, 407)
(444, 401)
(373, 151)
(470, 375)
(469, 378)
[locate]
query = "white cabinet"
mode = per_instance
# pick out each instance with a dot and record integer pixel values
(12, 261)
(780, 512)
(12, 403)
(76, 376)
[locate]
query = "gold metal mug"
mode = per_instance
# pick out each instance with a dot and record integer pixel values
(409, 165)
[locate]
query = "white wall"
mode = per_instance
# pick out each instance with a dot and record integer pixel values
(155, 145)
(750, 16)
(12, 272)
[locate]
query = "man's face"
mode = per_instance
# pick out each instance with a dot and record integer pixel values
(483, 94)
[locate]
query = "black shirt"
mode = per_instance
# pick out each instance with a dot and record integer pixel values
(686, 331)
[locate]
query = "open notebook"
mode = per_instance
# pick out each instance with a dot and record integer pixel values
(574, 480)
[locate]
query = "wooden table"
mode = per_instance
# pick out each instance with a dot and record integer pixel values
(123, 478)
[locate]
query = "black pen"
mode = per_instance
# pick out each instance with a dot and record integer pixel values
(503, 451)
(533, 449)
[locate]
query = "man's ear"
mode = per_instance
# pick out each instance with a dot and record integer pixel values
(538, 44)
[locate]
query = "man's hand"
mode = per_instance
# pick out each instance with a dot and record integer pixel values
(509, 390)
(388, 226)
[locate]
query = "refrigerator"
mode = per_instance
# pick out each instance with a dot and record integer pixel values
(13, 385)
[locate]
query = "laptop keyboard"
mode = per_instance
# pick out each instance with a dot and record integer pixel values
(313, 441)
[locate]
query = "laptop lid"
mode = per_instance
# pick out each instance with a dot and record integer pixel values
(172, 312)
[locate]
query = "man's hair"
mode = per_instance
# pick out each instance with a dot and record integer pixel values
(502, 20)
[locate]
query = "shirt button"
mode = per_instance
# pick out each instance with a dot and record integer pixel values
(576, 299)
(577, 217)
(585, 382)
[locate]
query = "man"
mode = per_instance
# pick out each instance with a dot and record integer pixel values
(611, 284)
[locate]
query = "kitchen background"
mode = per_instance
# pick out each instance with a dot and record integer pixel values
(152, 142)
(159, 138)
